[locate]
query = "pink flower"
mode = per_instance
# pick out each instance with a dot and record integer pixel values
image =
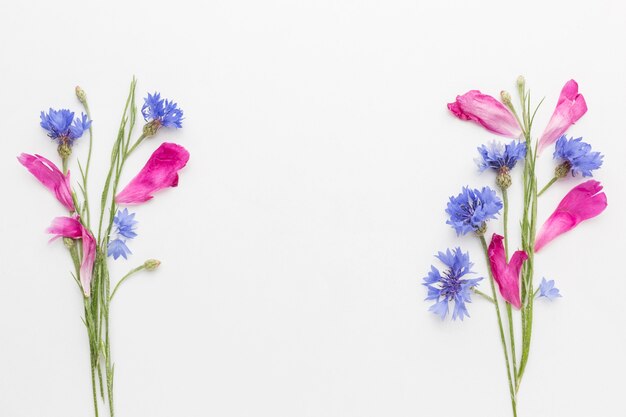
(487, 112)
(581, 203)
(506, 274)
(570, 107)
(72, 228)
(50, 176)
(160, 171)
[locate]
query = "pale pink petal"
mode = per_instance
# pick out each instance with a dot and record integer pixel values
(50, 176)
(506, 274)
(160, 171)
(570, 107)
(487, 112)
(582, 202)
(72, 228)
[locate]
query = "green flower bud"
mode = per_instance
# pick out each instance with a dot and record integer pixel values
(65, 150)
(69, 242)
(151, 264)
(150, 128)
(506, 97)
(562, 170)
(481, 230)
(80, 93)
(521, 82)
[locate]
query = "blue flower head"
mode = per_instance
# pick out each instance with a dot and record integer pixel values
(161, 112)
(548, 290)
(576, 157)
(125, 229)
(499, 157)
(444, 287)
(62, 127)
(470, 210)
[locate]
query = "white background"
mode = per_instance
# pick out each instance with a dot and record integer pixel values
(322, 157)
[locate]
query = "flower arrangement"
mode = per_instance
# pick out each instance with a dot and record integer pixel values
(472, 209)
(92, 241)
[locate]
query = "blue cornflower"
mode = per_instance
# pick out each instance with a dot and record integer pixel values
(117, 248)
(548, 290)
(161, 112)
(124, 228)
(62, 127)
(576, 157)
(471, 209)
(448, 286)
(499, 157)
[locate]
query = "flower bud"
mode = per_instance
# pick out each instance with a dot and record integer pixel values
(69, 242)
(151, 264)
(521, 82)
(506, 97)
(481, 230)
(65, 150)
(150, 128)
(80, 93)
(504, 179)
(562, 170)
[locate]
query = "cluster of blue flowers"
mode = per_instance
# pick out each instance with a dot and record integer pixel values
(577, 156)
(62, 127)
(125, 224)
(162, 111)
(449, 285)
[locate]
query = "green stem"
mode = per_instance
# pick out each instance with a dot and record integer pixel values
(501, 328)
(509, 313)
(124, 278)
(552, 181)
(86, 176)
(482, 294)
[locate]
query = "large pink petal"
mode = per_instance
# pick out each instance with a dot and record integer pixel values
(72, 228)
(50, 176)
(570, 107)
(583, 202)
(506, 274)
(487, 112)
(160, 171)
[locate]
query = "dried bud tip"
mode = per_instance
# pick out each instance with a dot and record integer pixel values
(521, 82)
(80, 93)
(151, 264)
(506, 97)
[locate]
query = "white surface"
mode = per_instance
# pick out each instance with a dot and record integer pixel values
(322, 156)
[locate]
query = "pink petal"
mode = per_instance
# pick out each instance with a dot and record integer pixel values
(72, 228)
(50, 176)
(160, 171)
(506, 275)
(582, 202)
(487, 112)
(570, 107)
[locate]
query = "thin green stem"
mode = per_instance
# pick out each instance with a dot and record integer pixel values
(501, 328)
(552, 181)
(482, 294)
(124, 278)
(86, 173)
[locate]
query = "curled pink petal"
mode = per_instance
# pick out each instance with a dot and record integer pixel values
(570, 107)
(160, 171)
(506, 274)
(72, 228)
(50, 176)
(487, 112)
(583, 202)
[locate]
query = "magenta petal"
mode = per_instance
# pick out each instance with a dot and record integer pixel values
(161, 171)
(50, 176)
(487, 112)
(570, 107)
(506, 274)
(582, 202)
(72, 228)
